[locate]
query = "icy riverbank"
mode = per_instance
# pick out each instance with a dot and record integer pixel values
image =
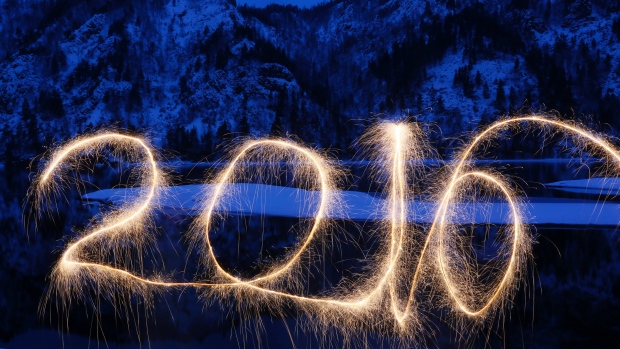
(258, 199)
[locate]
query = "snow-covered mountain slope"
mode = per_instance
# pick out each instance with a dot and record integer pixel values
(193, 74)
(148, 66)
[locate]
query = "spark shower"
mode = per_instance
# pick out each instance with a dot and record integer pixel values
(417, 268)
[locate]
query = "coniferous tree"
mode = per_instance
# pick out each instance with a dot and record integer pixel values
(547, 14)
(222, 134)
(244, 126)
(418, 102)
(281, 107)
(9, 147)
(207, 140)
(134, 98)
(54, 65)
(440, 104)
(221, 59)
(50, 105)
(192, 146)
(184, 90)
(500, 96)
(276, 126)
(296, 123)
(615, 27)
(512, 98)
(32, 127)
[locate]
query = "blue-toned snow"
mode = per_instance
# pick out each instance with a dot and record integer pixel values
(598, 186)
(259, 199)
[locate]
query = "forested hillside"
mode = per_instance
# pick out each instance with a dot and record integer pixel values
(201, 72)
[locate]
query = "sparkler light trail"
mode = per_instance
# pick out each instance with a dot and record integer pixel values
(416, 270)
(82, 261)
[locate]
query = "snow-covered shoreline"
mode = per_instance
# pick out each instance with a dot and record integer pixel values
(258, 199)
(598, 186)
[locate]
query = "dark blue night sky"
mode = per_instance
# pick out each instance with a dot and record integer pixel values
(263, 3)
